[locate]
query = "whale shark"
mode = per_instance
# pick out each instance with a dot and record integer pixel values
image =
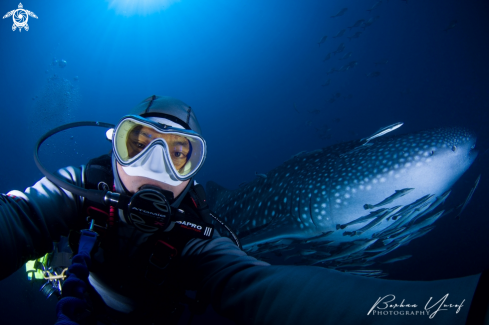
(349, 203)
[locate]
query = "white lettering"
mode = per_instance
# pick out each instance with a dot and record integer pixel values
(384, 302)
(189, 224)
(440, 302)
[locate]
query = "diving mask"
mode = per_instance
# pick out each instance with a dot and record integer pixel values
(157, 148)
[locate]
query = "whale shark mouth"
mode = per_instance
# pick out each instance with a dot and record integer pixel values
(347, 204)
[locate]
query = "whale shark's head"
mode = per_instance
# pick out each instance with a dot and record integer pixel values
(429, 162)
(311, 193)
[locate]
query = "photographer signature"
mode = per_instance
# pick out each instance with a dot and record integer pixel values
(387, 302)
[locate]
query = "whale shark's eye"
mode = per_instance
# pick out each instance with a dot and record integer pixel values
(432, 152)
(454, 148)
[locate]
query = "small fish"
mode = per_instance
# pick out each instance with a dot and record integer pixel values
(439, 200)
(340, 13)
(384, 131)
(340, 33)
(376, 5)
(416, 214)
(356, 35)
(392, 247)
(318, 238)
(373, 74)
(381, 62)
(346, 56)
(315, 111)
(370, 21)
(467, 200)
(322, 40)
(357, 264)
(261, 175)
(451, 25)
(400, 258)
(352, 64)
(381, 275)
(388, 233)
(358, 23)
(351, 250)
(327, 83)
(377, 134)
(410, 211)
(327, 57)
(377, 220)
(304, 252)
(340, 48)
(390, 199)
(372, 215)
(412, 230)
(364, 271)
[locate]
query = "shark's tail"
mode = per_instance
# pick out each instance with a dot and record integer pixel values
(215, 194)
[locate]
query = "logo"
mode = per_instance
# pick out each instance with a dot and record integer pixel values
(149, 212)
(189, 224)
(386, 306)
(20, 17)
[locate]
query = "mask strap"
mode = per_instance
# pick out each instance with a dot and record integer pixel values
(119, 187)
(179, 198)
(150, 102)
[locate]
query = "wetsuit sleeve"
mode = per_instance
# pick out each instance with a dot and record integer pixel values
(249, 291)
(30, 221)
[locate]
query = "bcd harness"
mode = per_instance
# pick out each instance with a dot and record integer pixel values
(193, 218)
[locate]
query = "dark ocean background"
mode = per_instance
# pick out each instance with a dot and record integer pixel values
(254, 74)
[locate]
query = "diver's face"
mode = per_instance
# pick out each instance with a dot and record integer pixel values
(133, 183)
(140, 137)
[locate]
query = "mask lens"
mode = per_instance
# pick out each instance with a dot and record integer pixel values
(184, 151)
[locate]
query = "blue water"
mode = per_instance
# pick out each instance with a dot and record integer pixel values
(253, 72)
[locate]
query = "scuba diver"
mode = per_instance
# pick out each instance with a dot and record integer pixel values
(142, 234)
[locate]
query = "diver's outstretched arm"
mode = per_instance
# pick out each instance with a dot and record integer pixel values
(30, 221)
(249, 291)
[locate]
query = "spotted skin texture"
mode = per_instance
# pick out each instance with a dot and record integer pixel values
(305, 198)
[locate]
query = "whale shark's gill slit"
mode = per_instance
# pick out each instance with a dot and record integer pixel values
(310, 211)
